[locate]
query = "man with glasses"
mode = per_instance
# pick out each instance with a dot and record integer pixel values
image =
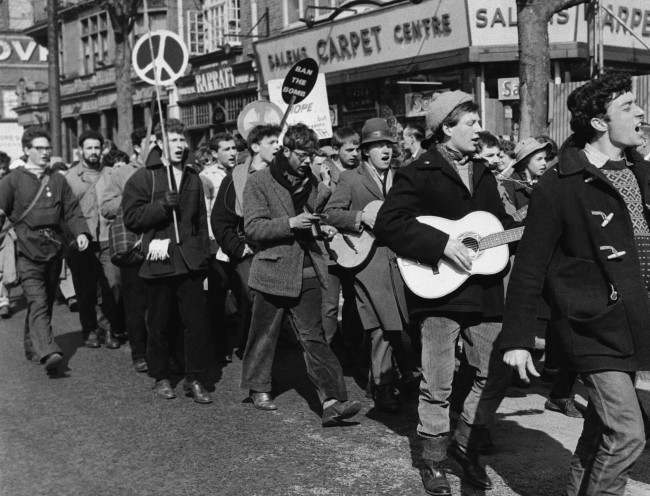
(288, 273)
(38, 202)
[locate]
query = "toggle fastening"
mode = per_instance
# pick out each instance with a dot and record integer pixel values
(614, 294)
(615, 253)
(589, 179)
(606, 217)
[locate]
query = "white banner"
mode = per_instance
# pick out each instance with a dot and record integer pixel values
(313, 111)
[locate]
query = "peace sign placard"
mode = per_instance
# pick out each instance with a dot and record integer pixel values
(159, 57)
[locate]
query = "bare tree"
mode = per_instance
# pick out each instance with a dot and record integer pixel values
(533, 17)
(123, 14)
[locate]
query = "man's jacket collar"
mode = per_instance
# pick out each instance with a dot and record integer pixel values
(572, 159)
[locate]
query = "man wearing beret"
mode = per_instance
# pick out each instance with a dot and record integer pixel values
(447, 182)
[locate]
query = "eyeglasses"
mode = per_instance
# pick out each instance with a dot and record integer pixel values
(302, 155)
(42, 148)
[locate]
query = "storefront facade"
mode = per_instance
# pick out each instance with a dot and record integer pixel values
(369, 59)
(211, 97)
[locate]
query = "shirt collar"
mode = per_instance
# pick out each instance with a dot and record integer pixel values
(595, 157)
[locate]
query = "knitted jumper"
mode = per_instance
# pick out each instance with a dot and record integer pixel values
(623, 179)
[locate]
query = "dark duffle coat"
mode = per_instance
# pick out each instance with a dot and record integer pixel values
(431, 186)
(378, 285)
(599, 305)
(155, 221)
(277, 266)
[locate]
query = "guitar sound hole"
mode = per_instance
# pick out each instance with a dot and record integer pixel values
(470, 243)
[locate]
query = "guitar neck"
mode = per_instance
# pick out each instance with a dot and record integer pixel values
(501, 238)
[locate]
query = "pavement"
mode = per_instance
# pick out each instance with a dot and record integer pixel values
(99, 430)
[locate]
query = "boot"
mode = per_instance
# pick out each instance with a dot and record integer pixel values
(434, 453)
(465, 448)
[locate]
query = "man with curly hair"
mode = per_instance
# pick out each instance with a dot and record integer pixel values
(587, 241)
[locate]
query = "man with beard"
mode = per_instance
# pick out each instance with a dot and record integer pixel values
(39, 203)
(133, 288)
(93, 273)
(288, 273)
(587, 241)
(227, 221)
(447, 182)
(174, 268)
(379, 289)
(224, 159)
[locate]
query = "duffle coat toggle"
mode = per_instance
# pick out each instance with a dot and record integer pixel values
(613, 295)
(614, 252)
(606, 217)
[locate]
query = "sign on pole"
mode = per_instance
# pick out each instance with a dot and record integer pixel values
(297, 84)
(160, 53)
(313, 111)
(257, 113)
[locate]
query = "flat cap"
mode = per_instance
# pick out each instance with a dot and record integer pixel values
(442, 106)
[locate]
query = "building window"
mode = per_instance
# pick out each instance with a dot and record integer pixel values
(223, 23)
(294, 10)
(94, 42)
(195, 32)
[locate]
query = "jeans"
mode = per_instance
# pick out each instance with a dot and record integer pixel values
(304, 313)
(612, 436)
(135, 307)
(338, 280)
(39, 281)
(176, 306)
(440, 335)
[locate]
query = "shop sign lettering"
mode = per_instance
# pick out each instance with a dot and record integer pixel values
(425, 28)
(214, 80)
(17, 50)
(348, 45)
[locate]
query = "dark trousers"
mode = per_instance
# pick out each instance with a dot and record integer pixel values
(176, 305)
(304, 313)
(238, 282)
(341, 280)
(134, 293)
(39, 281)
(219, 339)
(612, 436)
(91, 283)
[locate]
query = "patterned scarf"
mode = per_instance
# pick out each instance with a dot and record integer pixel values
(461, 163)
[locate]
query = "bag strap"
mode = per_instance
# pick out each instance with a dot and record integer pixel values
(44, 181)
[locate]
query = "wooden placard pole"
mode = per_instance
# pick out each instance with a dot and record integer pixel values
(286, 113)
(166, 152)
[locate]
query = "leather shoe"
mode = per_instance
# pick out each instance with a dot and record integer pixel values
(474, 471)
(92, 341)
(164, 389)
(196, 390)
(341, 410)
(140, 365)
(567, 406)
(435, 480)
(386, 399)
(262, 401)
(5, 312)
(110, 341)
(52, 362)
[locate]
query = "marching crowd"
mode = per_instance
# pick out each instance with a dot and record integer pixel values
(193, 256)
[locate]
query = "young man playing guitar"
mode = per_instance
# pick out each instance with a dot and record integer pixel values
(587, 241)
(446, 182)
(379, 289)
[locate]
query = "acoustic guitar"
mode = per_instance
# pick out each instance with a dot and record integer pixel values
(353, 249)
(482, 233)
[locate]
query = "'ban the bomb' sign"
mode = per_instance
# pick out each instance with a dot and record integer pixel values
(299, 81)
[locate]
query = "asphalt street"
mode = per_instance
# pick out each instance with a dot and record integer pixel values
(100, 431)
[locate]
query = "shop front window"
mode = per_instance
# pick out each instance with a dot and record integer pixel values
(294, 10)
(223, 23)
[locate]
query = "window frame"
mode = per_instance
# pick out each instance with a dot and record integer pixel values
(95, 41)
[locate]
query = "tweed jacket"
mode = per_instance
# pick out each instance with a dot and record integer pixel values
(379, 287)
(431, 186)
(88, 188)
(277, 266)
(598, 303)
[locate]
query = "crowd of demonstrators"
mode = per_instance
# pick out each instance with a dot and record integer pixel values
(254, 220)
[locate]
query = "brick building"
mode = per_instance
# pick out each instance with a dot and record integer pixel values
(23, 66)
